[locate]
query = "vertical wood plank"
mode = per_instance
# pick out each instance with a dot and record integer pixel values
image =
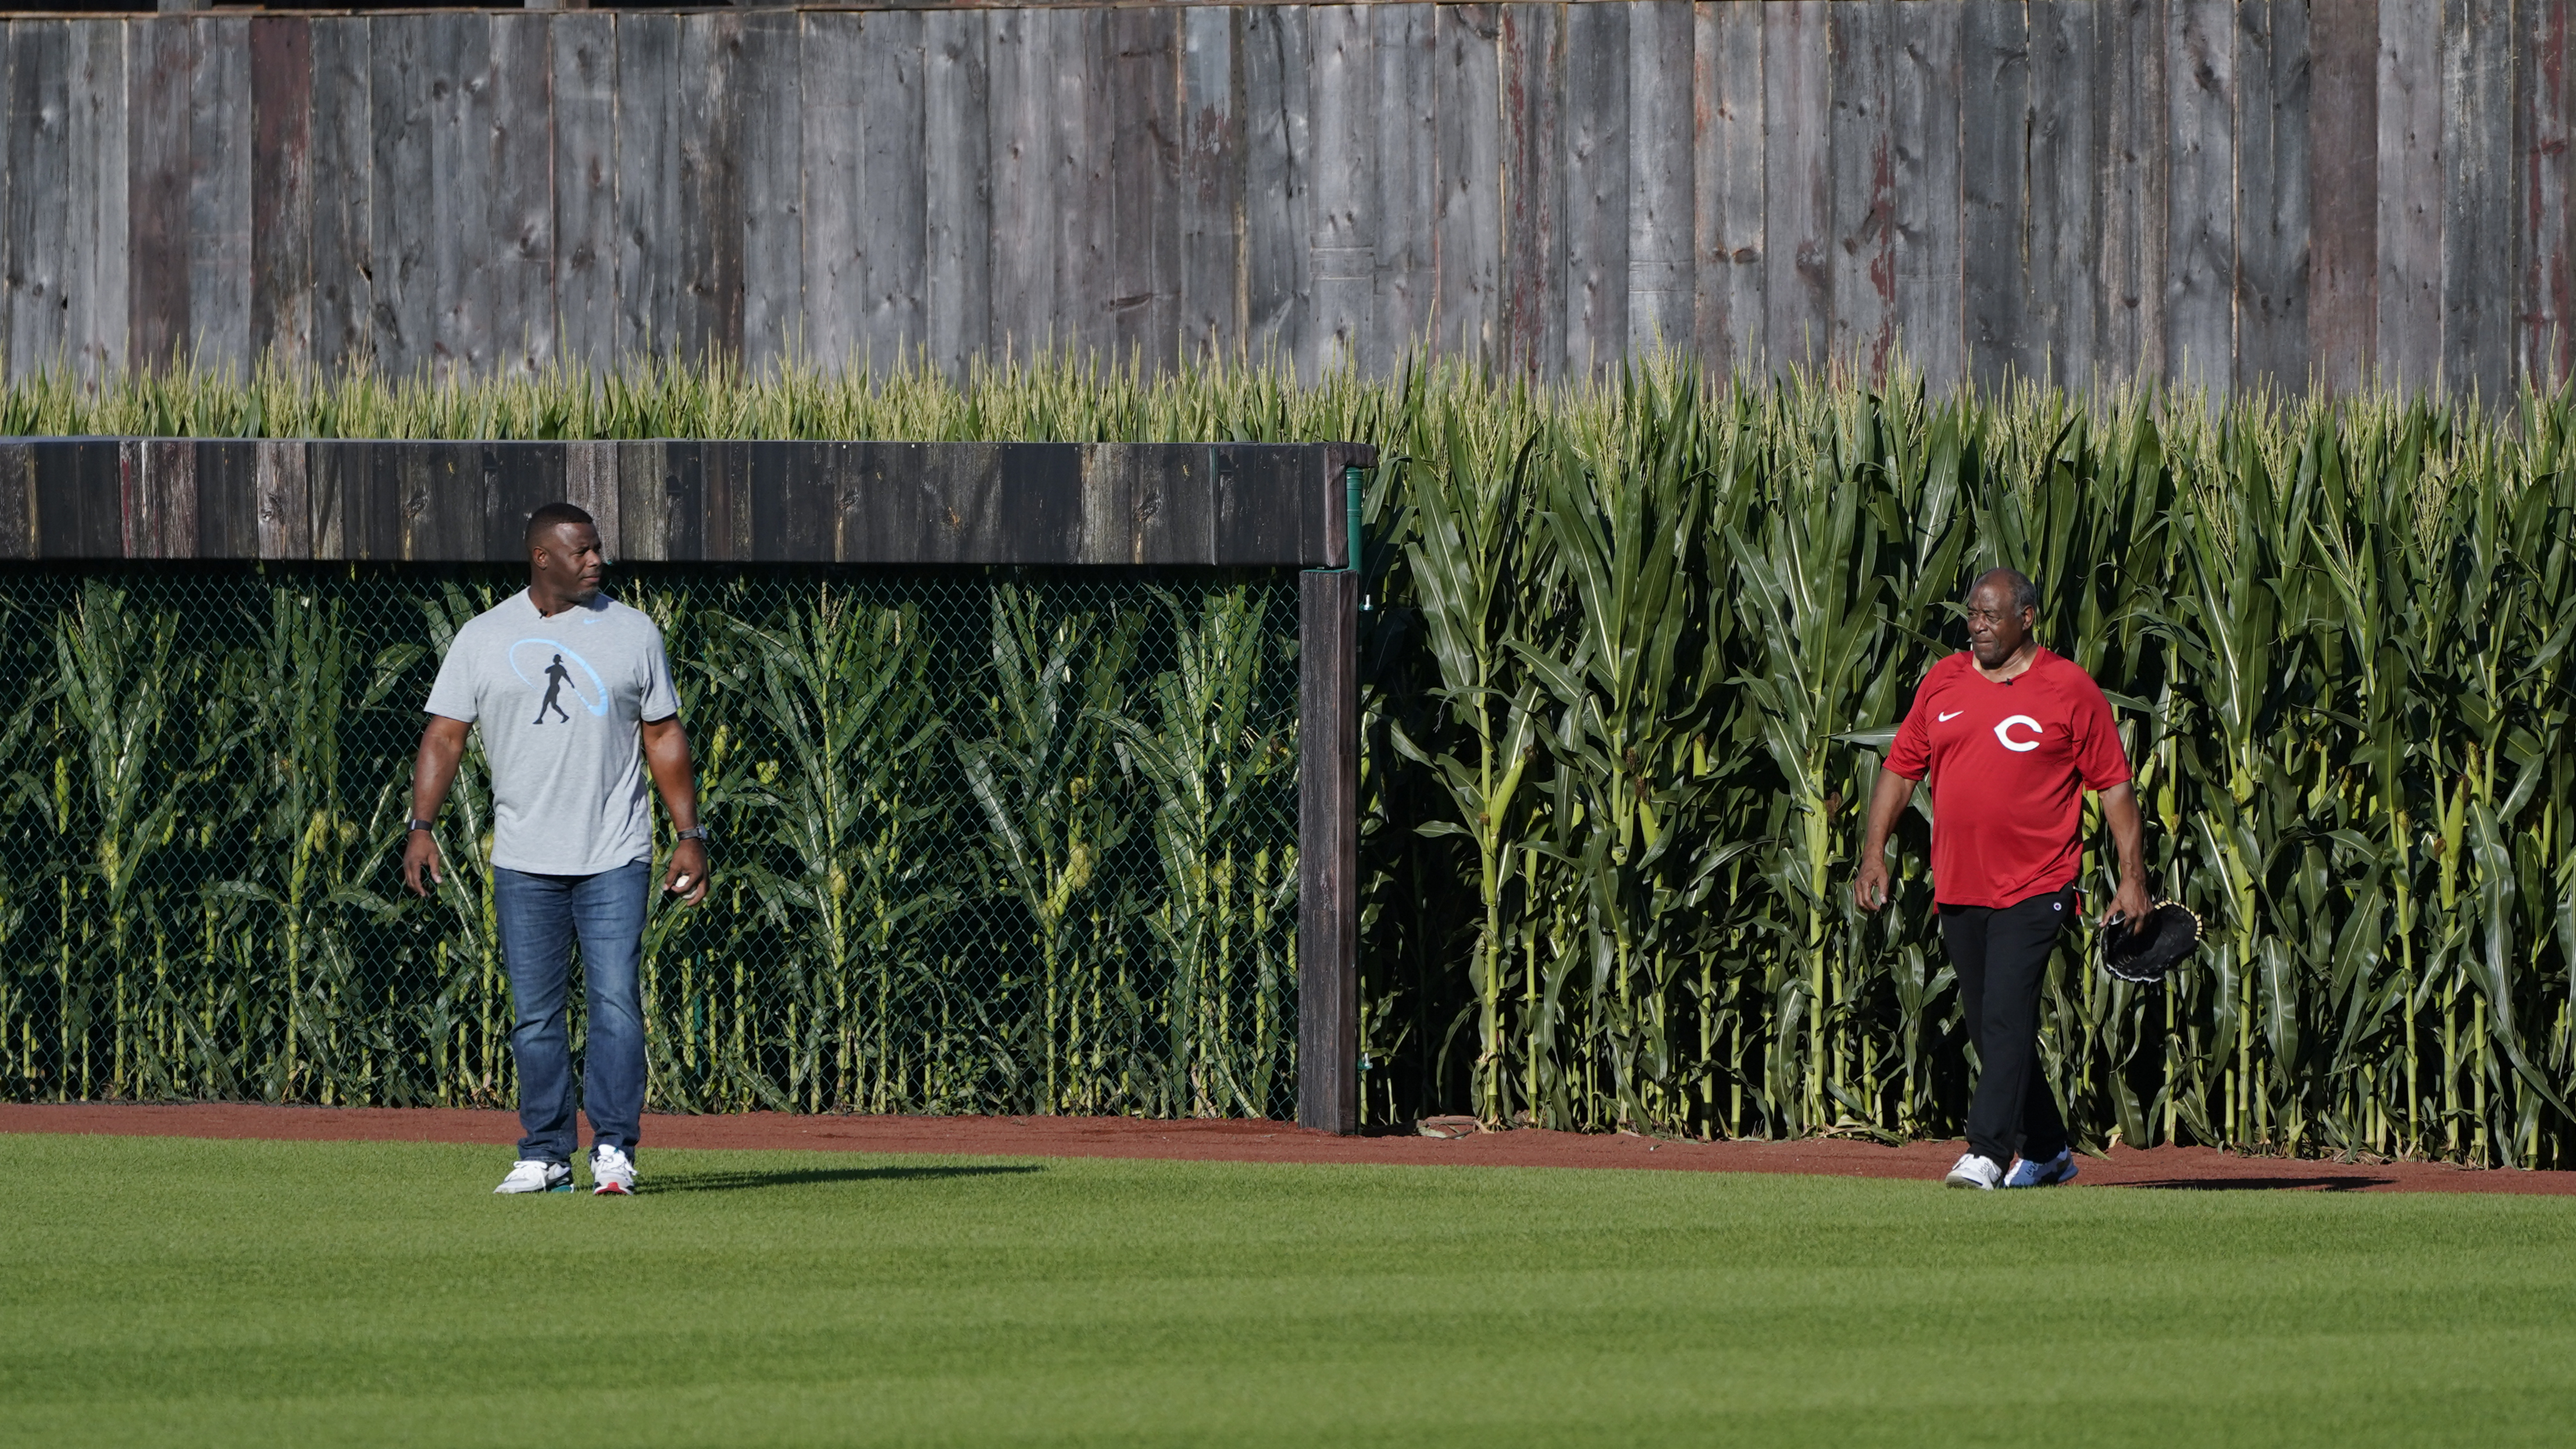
(1402, 43)
(226, 476)
(341, 175)
(1079, 179)
(2409, 330)
(1467, 217)
(160, 55)
(793, 504)
(1994, 50)
(219, 201)
(402, 283)
(708, 299)
(1344, 245)
(1861, 264)
(648, 168)
(1596, 188)
(583, 62)
(836, 196)
(1211, 183)
(770, 134)
(2272, 202)
(464, 329)
(160, 498)
(285, 506)
(1533, 78)
(590, 483)
(2200, 259)
(643, 501)
(1021, 148)
(1727, 219)
(2134, 176)
(2343, 189)
(17, 498)
(37, 273)
(649, 250)
(893, 226)
(520, 215)
(281, 188)
(2479, 266)
(79, 505)
(1924, 139)
(1278, 181)
(1143, 77)
(1797, 196)
(1660, 175)
(2064, 301)
(323, 485)
(524, 197)
(95, 324)
(1328, 904)
(2541, 139)
(956, 90)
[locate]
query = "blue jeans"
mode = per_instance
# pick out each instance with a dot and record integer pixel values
(539, 916)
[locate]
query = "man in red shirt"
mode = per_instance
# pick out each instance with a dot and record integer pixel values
(2012, 735)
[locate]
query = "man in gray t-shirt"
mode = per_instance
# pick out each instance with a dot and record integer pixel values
(573, 695)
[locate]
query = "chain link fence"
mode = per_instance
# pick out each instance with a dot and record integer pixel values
(990, 841)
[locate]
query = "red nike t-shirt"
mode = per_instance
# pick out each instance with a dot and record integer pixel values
(2009, 764)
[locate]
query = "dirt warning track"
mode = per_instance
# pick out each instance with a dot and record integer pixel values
(1233, 1141)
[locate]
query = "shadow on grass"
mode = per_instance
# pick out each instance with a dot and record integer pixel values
(2258, 1184)
(747, 1181)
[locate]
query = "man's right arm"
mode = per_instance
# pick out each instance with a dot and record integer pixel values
(442, 744)
(1869, 883)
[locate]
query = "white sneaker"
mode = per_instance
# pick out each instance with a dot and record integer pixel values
(612, 1172)
(529, 1175)
(2056, 1170)
(1974, 1169)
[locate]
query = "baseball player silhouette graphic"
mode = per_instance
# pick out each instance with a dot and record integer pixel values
(556, 678)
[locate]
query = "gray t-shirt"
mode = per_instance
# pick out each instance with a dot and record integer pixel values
(558, 700)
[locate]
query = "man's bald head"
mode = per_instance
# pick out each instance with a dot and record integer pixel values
(2023, 593)
(541, 524)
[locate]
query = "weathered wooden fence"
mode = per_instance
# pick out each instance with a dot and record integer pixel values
(2187, 189)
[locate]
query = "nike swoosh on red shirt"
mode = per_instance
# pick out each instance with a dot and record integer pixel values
(1954, 714)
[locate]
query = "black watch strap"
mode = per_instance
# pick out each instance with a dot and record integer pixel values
(417, 824)
(704, 833)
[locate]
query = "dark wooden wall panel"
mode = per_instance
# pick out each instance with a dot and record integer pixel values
(2229, 192)
(1236, 504)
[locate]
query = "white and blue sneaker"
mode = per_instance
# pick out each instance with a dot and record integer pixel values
(612, 1172)
(1975, 1169)
(530, 1175)
(2056, 1170)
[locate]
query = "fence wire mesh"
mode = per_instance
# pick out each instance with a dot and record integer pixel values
(990, 840)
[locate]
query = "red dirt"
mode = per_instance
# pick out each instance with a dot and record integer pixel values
(2170, 1167)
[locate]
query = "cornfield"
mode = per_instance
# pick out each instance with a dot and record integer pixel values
(992, 841)
(1630, 652)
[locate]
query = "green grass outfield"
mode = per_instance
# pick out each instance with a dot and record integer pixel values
(168, 1291)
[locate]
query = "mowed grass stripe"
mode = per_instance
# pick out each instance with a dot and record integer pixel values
(172, 1290)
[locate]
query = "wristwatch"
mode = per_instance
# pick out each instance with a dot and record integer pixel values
(704, 833)
(416, 824)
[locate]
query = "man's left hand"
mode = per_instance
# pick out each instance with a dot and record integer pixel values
(2129, 904)
(687, 875)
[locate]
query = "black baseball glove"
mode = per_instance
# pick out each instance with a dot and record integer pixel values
(2151, 953)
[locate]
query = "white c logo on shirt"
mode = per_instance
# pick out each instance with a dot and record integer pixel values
(2003, 734)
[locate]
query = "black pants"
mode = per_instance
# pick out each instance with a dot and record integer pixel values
(2001, 954)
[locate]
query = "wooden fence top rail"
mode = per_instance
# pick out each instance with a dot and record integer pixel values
(1226, 504)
